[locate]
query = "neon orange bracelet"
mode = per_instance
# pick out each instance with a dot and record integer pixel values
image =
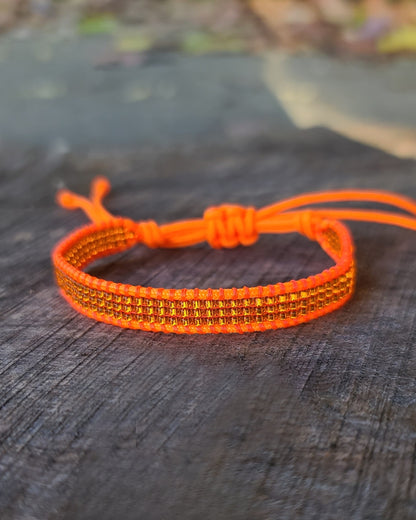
(203, 311)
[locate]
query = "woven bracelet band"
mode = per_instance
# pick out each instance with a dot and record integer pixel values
(201, 311)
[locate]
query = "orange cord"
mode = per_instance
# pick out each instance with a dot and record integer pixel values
(227, 226)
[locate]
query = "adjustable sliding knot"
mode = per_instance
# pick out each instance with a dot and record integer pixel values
(230, 226)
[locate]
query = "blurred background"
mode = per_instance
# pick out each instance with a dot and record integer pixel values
(100, 73)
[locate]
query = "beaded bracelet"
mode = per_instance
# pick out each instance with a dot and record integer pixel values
(202, 311)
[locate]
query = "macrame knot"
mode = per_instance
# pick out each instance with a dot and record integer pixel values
(150, 234)
(230, 226)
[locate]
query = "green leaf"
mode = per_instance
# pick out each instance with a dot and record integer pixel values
(198, 42)
(400, 40)
(128, 40)
(99, 24)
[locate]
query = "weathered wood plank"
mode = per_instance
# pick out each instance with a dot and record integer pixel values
(315, 422)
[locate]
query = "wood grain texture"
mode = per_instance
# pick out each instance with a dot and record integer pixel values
(313, 422)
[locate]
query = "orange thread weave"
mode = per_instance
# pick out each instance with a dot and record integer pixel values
(245, 309)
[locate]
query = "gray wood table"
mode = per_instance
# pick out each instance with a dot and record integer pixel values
(312, 422)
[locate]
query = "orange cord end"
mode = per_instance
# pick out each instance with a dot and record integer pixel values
(68, 200)
(100, 187)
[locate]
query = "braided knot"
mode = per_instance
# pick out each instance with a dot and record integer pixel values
(230, 226)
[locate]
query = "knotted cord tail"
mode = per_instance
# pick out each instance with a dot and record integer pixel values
(93, 206)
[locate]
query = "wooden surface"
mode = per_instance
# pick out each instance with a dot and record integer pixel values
(312, 422)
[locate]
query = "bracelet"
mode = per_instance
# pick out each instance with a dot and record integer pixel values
(201, 311)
